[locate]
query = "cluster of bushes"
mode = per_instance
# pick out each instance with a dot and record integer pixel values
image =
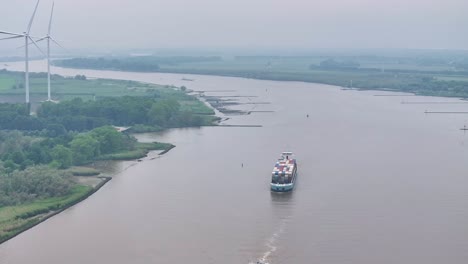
(18, 151)
(33, 183)
(80, 77)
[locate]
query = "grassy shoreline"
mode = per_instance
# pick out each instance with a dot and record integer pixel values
(141, 151)
(17, 219)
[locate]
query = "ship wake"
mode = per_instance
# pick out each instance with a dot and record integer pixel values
(271, 243)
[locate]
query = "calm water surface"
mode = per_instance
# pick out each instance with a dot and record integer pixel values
(379, 182)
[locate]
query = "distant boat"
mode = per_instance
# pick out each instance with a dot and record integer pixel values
(185, 79)
(284, 173)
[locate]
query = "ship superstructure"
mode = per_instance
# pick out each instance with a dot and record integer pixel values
(284, 173)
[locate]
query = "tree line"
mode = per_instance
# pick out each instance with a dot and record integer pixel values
(77, 132)
(19, 151)
(80, 115)
(140, 63)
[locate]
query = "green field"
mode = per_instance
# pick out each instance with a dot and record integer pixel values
(14, 219)
(65, 88)
(92, 89)
(6, 82)
(453, 78)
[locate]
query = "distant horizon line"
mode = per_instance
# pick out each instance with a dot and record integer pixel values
(250, 51)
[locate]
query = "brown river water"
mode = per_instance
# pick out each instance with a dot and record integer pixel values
(379, 182)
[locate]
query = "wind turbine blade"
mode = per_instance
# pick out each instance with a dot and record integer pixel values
(11, 37)
(35, 44)
(41, 39)
(57, 43)
(29, 43)
(9, 33)
(51, 14)
(32, 18)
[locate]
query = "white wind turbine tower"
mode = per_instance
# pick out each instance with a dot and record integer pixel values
(49, 38)
(26, 37)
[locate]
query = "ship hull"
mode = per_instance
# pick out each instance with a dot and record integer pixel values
(286, 187)
(282, 187)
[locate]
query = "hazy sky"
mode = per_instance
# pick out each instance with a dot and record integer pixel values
(289, 24)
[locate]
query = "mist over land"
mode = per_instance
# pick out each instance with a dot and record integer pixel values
(242, 27)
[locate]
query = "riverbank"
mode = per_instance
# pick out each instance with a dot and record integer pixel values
(17, 219)
(418, 83)
(433, 74)
(49, 142)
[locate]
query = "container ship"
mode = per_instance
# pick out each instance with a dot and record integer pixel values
(284, 173)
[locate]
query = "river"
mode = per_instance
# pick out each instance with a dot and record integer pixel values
(379, 182)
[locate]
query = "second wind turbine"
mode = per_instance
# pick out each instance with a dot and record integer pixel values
(49, 38)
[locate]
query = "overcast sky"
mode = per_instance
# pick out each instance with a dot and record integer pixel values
(288, 24)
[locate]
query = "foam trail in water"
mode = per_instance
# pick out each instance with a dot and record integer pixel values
(271, 242)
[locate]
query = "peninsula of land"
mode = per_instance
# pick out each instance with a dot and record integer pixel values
(46, 147)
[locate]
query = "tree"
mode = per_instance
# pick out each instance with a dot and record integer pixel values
(39, 152)
(10, 166)
(110, 140)
(17, 157)
(164, 112)
(84, 148)
(62, 156)
(158, 115)
(55, 130)
(80, 77)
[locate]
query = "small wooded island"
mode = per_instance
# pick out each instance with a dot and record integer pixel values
(43, 155)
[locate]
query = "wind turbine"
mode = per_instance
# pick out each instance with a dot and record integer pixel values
(26, 37)
(49, 38)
